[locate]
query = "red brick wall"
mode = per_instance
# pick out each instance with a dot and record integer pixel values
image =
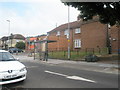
(115, 43)
(61, 41)
(93, 35)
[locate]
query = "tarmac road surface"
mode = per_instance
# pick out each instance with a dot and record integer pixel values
(42, 75)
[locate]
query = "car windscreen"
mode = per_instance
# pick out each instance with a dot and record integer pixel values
(6, 56)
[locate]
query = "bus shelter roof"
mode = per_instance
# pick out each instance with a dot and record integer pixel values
(48, 41)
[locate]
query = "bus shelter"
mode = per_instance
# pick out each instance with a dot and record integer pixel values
(41, 49)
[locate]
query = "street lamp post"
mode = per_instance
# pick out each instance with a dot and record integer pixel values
(8, 33)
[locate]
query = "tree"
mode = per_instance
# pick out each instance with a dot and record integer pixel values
(20, 45)
(108, 12)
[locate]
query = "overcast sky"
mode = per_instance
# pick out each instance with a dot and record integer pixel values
(33, 17)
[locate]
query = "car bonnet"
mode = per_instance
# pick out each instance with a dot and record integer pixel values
(10, 65)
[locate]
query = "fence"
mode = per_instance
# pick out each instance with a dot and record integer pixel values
(76, 54)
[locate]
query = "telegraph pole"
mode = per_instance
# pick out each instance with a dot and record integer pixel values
(68, 32)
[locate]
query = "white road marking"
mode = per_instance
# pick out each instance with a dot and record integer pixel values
(71, 77)
(80, 78)
(56, 73)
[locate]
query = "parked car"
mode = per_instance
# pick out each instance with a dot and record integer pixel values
(11, 70)
(14, 50)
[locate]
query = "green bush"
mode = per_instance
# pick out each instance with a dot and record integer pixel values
(20, 45)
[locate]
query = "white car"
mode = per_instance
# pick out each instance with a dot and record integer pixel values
(11, 70)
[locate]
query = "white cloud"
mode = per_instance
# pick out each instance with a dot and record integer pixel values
(38, 18)
(28, 1)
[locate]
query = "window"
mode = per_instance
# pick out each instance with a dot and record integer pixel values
(66, 32)
(77, 30)
(58, 33)
(77, 43)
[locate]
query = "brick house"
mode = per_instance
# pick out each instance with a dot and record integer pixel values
(11, 41)
(83, 34)
(115, 38)
(3, 43)
(16, 38)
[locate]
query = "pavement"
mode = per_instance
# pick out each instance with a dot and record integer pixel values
(103, 66)
(82, 65)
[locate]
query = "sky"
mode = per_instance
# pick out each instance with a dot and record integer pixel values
(33, 17)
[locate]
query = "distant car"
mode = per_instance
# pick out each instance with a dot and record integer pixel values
(11, 70)
(14, 50)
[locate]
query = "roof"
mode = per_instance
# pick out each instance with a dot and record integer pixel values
(14, 36)
(3, 51)
(4, 38)
(73, 25)
(48, 41)
(37, 36)
(41, 35)
(18, 36)
(33, 38)
(65, 26)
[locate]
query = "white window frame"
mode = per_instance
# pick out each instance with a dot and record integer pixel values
(77, 43)
(66, 32)
(58, 33)
(77, 30)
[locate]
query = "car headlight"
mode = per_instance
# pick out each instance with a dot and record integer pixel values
(23, 69)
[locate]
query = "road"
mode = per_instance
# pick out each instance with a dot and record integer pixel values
(41, 75)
